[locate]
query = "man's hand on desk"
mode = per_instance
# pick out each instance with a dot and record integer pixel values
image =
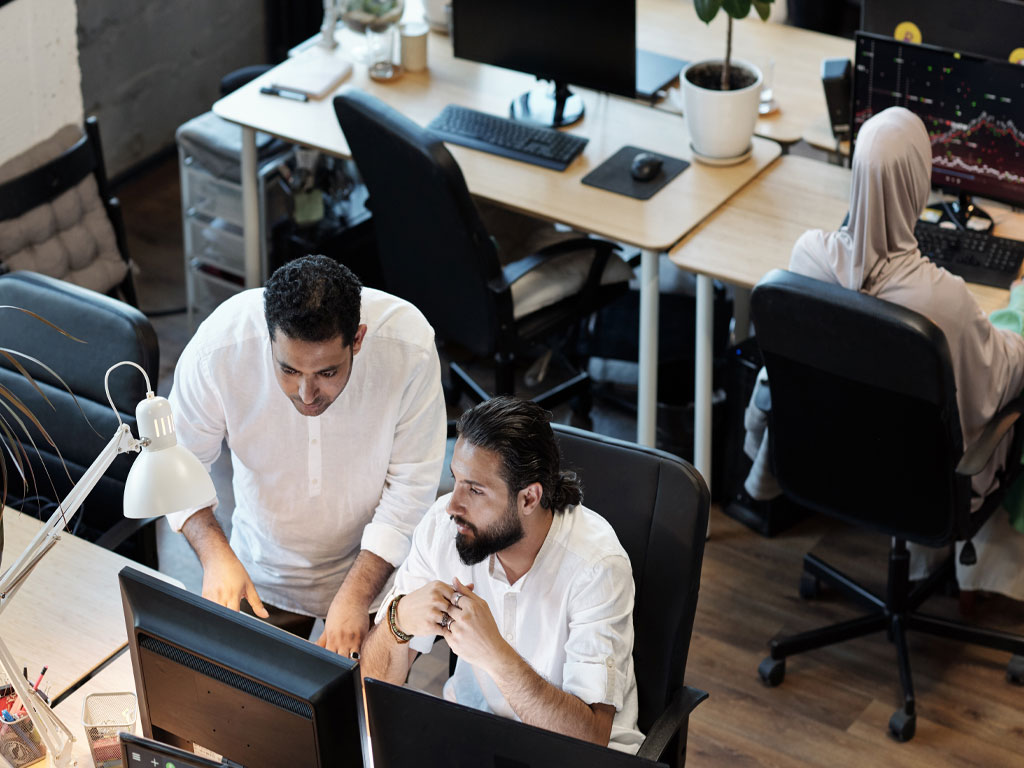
(348, 618)
(346, 625)
(225, 580)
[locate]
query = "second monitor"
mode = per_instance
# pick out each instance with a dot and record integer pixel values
(589, 43)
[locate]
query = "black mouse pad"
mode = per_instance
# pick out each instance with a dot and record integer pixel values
(613, 174)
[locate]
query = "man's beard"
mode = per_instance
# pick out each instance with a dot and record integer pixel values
(501, 535)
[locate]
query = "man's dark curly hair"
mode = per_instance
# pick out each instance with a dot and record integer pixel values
(519, 431)
(313, 298)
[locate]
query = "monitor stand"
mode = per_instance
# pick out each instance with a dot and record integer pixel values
(550, 106)
(962, 209)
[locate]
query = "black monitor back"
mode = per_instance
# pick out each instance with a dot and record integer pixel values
(251, 692)
(992, 28)
(412, 728)
(589, 43)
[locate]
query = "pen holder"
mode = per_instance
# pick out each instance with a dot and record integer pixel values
(104, 715)
(20, 745)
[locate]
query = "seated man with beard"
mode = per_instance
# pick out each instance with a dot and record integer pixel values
(530, 588)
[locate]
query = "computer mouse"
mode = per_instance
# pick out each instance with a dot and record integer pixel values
(645, 166)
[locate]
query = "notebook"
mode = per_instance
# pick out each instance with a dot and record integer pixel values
(314, 72)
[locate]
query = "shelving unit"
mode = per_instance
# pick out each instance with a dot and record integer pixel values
(211, 204)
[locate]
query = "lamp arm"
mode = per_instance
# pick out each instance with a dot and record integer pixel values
(49, 534)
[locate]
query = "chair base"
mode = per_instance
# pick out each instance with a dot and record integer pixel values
(897, 614)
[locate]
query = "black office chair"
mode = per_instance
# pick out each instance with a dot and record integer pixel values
(658, 505)
(82, 425)
(436, 253)
(864, 427)
(48, 182)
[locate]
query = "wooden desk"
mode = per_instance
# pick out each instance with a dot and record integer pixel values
(116, 677)
(67, 615)
(754, 234)
(654, 225)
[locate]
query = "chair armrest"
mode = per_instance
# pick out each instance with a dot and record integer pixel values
(977, 456)
(668, 724)
(123, 530)
(520, 267)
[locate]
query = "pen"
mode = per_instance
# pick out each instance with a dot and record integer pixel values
(273, 90)
(39, 679)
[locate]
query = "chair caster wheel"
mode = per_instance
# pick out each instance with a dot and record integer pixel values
(810, 586)
(772, 671)
(902, 725)
(1015, 670)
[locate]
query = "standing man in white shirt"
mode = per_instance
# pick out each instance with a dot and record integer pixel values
(530, 588)
(329, 397)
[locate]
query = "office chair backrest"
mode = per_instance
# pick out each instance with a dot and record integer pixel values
(433, 248)
(658, 505)
(864, 422)
(113, 331)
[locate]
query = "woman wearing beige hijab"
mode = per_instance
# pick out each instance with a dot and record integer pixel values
(876, 253)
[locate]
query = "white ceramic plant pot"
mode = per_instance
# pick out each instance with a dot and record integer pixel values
(721, 123)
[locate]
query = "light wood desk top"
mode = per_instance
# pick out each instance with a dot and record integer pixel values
(116, 677)
(67, 614)
(755, 233)
(672, 28)
(609, 123)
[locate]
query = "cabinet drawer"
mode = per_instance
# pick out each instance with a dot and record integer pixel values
(212, 197)
(209, 289)
(216, 242)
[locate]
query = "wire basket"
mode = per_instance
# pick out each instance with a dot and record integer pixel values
(104, 715)
(20, 745)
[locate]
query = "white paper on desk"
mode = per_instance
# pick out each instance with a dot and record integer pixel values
(314, 72)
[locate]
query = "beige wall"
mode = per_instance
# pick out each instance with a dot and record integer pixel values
(40, 81)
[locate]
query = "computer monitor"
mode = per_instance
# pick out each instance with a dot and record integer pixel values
(992, 28)
(216, 678)
(589, 43)
(408, 727)
(972, 106)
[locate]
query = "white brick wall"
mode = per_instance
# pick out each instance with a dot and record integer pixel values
(40, 81)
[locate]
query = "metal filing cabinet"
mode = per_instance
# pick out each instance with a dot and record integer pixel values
(209, 151)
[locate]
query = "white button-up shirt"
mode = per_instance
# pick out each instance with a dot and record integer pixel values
(311, 491)
(570, 617)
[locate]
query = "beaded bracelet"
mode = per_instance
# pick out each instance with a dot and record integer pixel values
(400, 636)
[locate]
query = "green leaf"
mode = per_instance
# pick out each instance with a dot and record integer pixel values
(738, 9)
(763, 8)
(707, 9)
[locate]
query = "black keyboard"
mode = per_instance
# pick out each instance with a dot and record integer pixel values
(508, 138)
(977, 257)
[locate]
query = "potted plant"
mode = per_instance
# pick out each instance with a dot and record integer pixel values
(16, 417)
(720, 96)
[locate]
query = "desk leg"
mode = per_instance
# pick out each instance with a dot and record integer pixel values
(740, 314)
(251, 210)
(702, 377)
(647, 384)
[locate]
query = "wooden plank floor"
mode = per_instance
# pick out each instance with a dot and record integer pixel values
(834, 705)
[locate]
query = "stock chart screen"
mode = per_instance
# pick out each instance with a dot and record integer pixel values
(973, 108)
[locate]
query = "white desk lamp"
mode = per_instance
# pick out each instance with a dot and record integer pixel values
(165, 478)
